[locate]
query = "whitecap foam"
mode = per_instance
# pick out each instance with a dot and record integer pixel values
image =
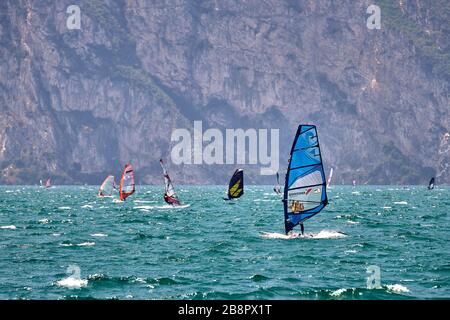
(397, 288)
(44, 221)
(328, 234)
(99, 235)
(338, 292)
(87, 206)
(83, 244)
(86, 244)
(275, 235)
(401, 202)
(167, 206)
(139, 280)
(323, 234)
(64, 208)
(72, 283)
(352, 222)
(8, 227)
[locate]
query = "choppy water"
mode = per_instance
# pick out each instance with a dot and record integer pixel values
(213, 249)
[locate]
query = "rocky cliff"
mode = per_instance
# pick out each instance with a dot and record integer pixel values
(76, 104)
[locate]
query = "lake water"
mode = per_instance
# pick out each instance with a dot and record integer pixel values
(214, 249)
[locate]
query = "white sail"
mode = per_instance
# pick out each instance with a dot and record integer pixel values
(329, 178)
(107, 187)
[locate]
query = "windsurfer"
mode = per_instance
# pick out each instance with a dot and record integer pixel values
(166, 198)
(171, 200)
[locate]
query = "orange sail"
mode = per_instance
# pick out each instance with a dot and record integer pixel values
(127, 182)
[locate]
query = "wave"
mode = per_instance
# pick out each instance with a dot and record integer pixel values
(102, 279)
(167, 206)
(72, 283)
(397, 288)
(323, 234)
(12, 227)
(258, 278)
(291, 293)
(83, 244)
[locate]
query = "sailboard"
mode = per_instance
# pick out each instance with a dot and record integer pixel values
(277, 188)
(329, 178)
(305, 188)
(107, 187)
(48, 183)
(236, 185)
(169, 192)
(431, 184)
(127, 182)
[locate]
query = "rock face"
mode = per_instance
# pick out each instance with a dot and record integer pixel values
(77, 104)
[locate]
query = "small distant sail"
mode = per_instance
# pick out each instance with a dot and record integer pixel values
(329, 178)
(48, 183)
(354, 183)
(107, 187)
(169, 195)
(40, 183)
(305, 188)
(236, 186)
(431, 184)
(277, 188)
(127, 182)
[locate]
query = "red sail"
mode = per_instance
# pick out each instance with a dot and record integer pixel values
(127, 182)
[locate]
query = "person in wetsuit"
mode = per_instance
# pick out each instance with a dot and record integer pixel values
(166, 198)
(171, 201)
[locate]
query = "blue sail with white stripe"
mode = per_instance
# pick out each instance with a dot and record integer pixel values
(305, 185)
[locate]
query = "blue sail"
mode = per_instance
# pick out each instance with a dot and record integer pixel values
(305, 185)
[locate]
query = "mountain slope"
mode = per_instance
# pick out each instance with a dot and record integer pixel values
(77, 104)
